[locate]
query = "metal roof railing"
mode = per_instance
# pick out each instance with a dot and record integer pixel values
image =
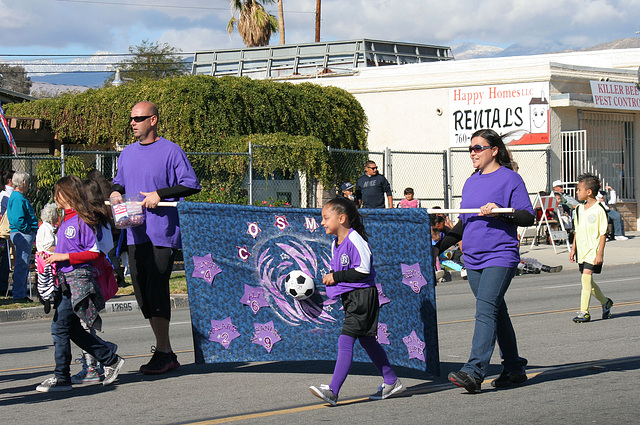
(313, 59)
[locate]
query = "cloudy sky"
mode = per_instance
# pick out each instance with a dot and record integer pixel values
(47, 27)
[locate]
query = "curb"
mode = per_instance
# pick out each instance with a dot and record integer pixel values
(111, 307)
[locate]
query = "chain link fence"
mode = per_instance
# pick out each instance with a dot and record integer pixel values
(436, 177)
(532, 164)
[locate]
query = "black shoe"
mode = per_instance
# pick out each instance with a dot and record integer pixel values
(508, 379)
(466, 381)
(160, 363)
(549, 269)
(23, 300)
(47, 306)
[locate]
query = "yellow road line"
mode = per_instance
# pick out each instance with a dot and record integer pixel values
(423, 390)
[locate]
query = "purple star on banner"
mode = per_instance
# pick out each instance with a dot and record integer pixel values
(412, 277)
(254, 298)
(415, 346)
(223, 331)
(253, 229)
(311, 224)
(205, 268)
(281, 222)
(382, 298)
(265, 335)
(383, 334)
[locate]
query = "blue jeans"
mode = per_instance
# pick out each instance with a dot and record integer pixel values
(23, 243)
(492, 322)
(618, 225)
(66, 327)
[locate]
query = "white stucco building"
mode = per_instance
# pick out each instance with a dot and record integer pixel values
(582, 106)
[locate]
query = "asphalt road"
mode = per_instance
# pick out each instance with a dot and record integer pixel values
(579, 373)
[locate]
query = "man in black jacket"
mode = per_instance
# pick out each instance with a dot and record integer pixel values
(371, 188)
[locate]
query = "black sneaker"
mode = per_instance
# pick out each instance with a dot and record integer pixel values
(606, 309)
(160, 363)
(508, 379)
(466, 381)
(174, 358)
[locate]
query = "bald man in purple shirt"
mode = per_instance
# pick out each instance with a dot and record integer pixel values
(159, 170)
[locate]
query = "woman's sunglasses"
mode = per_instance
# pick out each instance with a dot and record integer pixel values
(478, 148)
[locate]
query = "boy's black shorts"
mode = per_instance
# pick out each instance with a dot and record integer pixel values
(151, 268)
(361, 308)
(596, 269)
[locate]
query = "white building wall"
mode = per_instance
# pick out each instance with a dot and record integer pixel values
(407, 106)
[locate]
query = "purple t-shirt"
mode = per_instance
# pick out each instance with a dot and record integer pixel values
(352, 253)
(74, 235)
(146, 168)
(489, 241)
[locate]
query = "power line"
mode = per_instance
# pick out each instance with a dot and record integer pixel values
(88, 55)
(113, 3)
(76, 64)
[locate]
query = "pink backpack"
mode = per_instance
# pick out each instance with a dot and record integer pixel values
(103, 273)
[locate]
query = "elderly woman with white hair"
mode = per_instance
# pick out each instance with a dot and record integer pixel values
(23, 225)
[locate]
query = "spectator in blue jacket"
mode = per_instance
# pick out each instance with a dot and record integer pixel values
(23, 224)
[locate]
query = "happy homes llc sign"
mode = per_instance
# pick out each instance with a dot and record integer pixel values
(503, 108)
(607, 94)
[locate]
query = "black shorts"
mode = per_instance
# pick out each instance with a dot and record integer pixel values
(361, 308)
(596, 269)
(151, 268)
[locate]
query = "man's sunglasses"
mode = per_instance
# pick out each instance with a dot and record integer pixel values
(478, 148)
(141, 118)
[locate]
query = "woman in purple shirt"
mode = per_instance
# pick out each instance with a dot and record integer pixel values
(491, 254)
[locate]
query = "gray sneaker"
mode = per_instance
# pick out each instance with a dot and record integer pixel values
(53, 384)
(385, 391)
(111, 372)
(325, 393)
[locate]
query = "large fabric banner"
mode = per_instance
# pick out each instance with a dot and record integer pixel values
(237, 259)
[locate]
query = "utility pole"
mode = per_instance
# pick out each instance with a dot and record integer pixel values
(281, 21)
(317, 21)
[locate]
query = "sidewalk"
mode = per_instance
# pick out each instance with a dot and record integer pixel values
(615, 253)
(117, 304)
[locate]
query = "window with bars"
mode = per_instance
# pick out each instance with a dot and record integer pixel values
(610, 150)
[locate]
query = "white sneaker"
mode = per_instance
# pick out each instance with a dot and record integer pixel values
(325, 393)
(439, 274)
(385, 391)
(111, 372)
(463, 273)
(621, 238)
(52, 384)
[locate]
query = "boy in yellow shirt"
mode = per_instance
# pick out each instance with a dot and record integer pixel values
(590, 226)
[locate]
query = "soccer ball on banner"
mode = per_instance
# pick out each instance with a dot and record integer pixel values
(299, 285)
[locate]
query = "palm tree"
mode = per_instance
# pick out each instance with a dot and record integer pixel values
(255, 24)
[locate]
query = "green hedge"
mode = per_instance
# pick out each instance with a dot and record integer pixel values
(200, 113)
(293, 122)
